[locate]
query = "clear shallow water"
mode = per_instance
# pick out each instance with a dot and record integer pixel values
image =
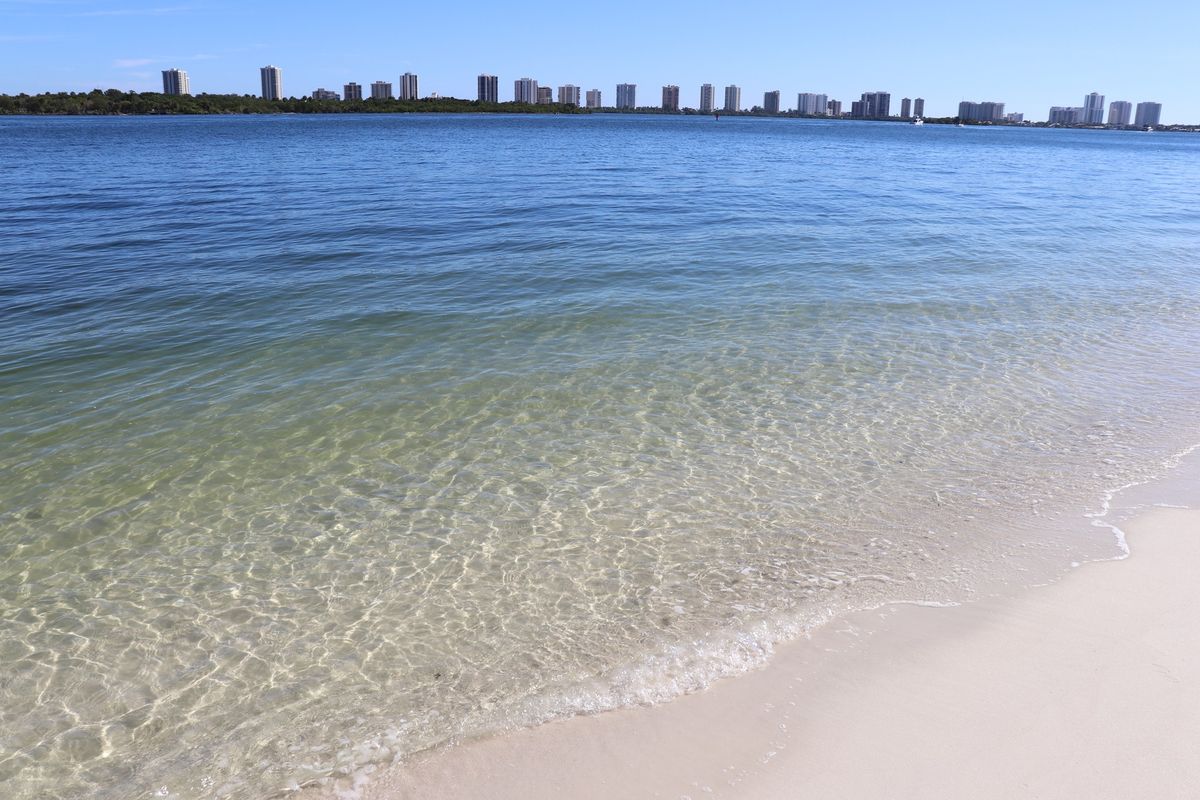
(326, 440)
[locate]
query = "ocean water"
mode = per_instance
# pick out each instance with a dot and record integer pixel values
(324, 440)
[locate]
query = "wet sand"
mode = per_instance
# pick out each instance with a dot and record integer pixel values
(1088, 687)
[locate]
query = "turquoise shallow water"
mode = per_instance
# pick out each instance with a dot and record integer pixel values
(326, 440)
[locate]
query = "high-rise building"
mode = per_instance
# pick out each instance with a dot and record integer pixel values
(919, 107)
(408, 87)
(545, 96)
(733, 98)
(906, 108)
(352, 91)
(381, 90)
(1014, 116)
(872, 105)
(811, 104)
(272, 82)
(1093, 109)
(489, 89)
(1119, 112)
(325, 94)
(593, 98)
(771, 102)
(987, 111)
(568, 95)
(1147, 115)
(175, 81)
(706, 98)
(834, 108)
(991, 110)
(670, 98)
(626, 95)
(525, 90)
(1065, 115)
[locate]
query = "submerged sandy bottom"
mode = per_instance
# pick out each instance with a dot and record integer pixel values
(1088, 687)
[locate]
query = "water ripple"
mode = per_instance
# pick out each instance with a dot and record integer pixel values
(305, 467)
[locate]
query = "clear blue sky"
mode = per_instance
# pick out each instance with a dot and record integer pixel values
(1030, 54)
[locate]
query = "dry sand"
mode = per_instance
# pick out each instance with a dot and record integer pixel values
(1086, 688)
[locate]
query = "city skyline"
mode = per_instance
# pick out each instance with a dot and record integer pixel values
(1016, 54)
(871, 105)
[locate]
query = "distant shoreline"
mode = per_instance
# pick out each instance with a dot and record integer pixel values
(117, 103)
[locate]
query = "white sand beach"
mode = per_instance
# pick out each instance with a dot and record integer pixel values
(1088, 687)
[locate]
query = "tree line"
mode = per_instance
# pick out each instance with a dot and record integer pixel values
(114, 101)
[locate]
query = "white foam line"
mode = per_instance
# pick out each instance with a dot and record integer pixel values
(922, 603)
(1097, 517)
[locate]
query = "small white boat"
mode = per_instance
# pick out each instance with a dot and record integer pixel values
(918, 121)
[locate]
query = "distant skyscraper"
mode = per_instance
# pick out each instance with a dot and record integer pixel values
(408, 87)
(1065, 115)
(545, 96)
(325, 94)
(1147, 115)
(991, 110)
(919, 107)
(593, 98)
(811, 104)
(1119, 112)
(670, 98)
(706, 98)
(381, 90)
(525, 90)
(834, 108)
(980, 112)
(627, 95)
(771, 102)
(733, 98)
(489, 89)
(352, 91)
(872, 105)
(568, 95)
(1093, 109)
(272, 82)
(906, 108)
(175, 81)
